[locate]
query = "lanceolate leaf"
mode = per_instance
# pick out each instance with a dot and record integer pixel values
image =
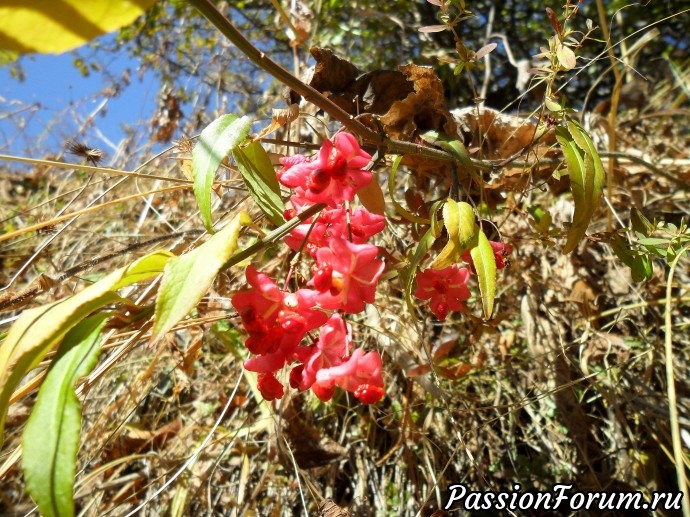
(53, 27)
(640, 223)
(215, 143)
(485, 263)
(586, 178)
(188, 278)
(51, 437)
(451, 220)
(594, 169)
(37, 330)
(427, 241)
(410, 272)
(261, 164)
(260, 177)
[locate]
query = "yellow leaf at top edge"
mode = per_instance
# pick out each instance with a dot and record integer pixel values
(53, 27)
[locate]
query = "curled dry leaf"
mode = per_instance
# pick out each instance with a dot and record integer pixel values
(327, 508)
(280, 118)
(167, 117)
(407, 102)
(422, 110)
(300, 16)
(353, 91)
(500, 135)
(331, 74)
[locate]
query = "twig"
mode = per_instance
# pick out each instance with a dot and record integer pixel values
(212, 14)
(206, 8)
(31, 292)
(499, 164)
(89, 168)
(650, 166)
(274, 236)
(678, 453)
(487, 57)
(64, 217)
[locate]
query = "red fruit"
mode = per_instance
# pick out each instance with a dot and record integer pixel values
(258, 345)
(442, 311)
(323, 276)
(318, 181)
(291, 322)
(253, 322)
(369, 394)
(323, 394)
(296, 376)
(269, 386)
(338, 167)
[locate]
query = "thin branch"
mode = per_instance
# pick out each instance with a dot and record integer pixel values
(206, 8)
(55, 220)
(27, 294)
(212, 14)
(89, 168)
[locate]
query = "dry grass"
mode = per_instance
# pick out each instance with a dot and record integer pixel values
(566, 384)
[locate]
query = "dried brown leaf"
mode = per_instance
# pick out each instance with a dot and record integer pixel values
(500, 135)
(422, 110)
(372, 198)
(280, 117)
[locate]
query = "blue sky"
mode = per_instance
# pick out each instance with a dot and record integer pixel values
(39, 114)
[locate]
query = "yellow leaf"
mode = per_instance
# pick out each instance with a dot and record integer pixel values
(55, 26)
(458, 218)
(188, 278)
(485, 263)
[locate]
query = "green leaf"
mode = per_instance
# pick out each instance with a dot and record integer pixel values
(642, 269)
(260, 177)
(541, 219)
(640, 223)
(37, 330)
(53, 27)
(188, 278)
(640, 265)
(409, 273)
(586, 178)
(459, 220)
(216, 142)
(485, 264)
(455, 147)
(51, 438)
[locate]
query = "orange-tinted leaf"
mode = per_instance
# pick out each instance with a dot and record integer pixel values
(372, 198)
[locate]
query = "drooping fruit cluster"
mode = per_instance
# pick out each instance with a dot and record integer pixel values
(344, 277)
(282, 325)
